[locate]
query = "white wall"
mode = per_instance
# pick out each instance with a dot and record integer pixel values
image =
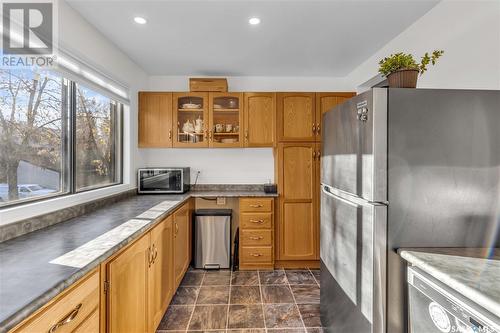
(468, 32)
(217, 166)
(232, 166)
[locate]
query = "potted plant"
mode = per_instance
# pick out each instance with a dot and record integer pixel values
(402, 70)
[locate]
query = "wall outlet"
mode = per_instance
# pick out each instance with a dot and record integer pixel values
(221, 201)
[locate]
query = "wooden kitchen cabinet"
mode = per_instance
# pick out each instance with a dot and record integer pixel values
(298, 186)
(256, 245)
(161, 271)
(182, 242)
(191, 119)
(226, 119)
(73, 310)
(296, 117)
(324, 103)
(260, 119)
(128, 289)
(155, 119)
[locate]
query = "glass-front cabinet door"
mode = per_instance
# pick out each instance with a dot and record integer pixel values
(190, 119)
(226, 120)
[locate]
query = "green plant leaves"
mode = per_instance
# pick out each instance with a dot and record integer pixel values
(402, 61)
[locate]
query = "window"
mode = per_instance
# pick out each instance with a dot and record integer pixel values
(56, 136)
(96, 135)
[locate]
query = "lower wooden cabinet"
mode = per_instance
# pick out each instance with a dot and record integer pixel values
(142, 279)
(182, 242)
(74, 310)
(298, 179)
(161, 271)
(256, 233)
(128, 289)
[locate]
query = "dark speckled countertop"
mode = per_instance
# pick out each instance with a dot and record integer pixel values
(28, 280)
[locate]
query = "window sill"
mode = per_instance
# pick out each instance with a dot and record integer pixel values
(14, 214)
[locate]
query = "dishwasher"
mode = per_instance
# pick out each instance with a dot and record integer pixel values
(212, 238)
(436, 308)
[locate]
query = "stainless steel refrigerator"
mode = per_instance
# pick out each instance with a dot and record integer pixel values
(402, 168)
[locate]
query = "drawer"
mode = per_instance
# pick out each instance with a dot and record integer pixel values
(255, 237)
(73, 307)
(256, 205)
(256, 254)
(256, 220)
(89, 325)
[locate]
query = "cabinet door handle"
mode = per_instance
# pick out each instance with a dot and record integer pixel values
(318, 154)
(150, 257)
(256, 238)
(176, 229)
(206, 135)
(67, 319)
(246, 135)
(155, 255)
(256, 206)
(314, 154)
(256, 254)
(210, 135)
(318, 129)
(257, 221)
(314, 128)
(170, 134)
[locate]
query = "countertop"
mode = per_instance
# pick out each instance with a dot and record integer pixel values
(28, 279)
(474, 273)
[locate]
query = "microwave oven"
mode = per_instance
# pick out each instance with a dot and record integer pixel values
(163, 180)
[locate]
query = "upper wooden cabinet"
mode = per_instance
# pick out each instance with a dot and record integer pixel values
(296, 117)
(260, 119)
(191, 119)
(226, 120)
(325, 102)
(155, 119)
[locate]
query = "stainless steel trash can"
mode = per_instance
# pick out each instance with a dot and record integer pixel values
(212, 238)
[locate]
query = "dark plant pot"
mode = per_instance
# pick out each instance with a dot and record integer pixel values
(405, 78)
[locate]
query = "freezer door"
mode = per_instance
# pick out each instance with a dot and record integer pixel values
(353, 255)
(354, 146)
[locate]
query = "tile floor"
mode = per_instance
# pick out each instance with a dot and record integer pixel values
(255, 302)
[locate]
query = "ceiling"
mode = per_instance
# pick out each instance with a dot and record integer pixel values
(295, 38)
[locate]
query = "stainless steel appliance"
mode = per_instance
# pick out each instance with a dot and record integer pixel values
(435, 308)
(163, 180)
(212, 238)
(401, 168)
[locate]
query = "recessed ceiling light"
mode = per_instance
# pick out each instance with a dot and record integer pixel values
(140, 20)
(254, 20)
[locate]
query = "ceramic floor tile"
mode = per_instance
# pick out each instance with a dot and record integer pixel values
(306, 294)
(286, 330)
(246, 316)
(217, 280)
(314, 330)
(245, 295)
(277, 294)
(209, 317)
(185, 296)
(300, 277)
(282, 316)
(192, 279)
(248, 330)
(176, 318)
(317, 275)
(310, 315)
(213, 295)
(245, 279)
(273, 277)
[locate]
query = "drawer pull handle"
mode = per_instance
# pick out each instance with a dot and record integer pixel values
(256, 238)
(67, 319)
(256, 206)
(257, 221)
(256, 254)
